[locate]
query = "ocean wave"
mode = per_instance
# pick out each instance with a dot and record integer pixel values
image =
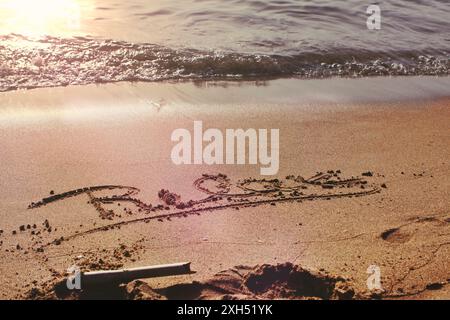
(50, 61)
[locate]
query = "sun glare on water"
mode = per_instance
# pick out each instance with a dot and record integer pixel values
(39, 17)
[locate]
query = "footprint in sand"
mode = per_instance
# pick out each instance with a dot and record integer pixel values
(416, 227)
(396, 235)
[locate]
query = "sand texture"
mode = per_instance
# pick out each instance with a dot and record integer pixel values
(87, 180)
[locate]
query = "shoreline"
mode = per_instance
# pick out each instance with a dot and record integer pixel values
(62, 139)
(120, 101)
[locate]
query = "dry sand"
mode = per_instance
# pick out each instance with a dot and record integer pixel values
(63, 139)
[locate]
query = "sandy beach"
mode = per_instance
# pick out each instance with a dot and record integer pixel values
(363, 181)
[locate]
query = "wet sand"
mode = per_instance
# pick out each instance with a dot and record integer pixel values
(391, 134)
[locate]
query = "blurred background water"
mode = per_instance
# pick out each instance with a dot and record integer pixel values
(218, 38)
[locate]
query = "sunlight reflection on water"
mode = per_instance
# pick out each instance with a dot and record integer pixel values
(41, 17)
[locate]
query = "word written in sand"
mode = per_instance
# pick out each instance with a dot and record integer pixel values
(220, 192)
(229, 148)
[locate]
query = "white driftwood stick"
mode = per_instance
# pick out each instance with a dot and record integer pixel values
(127, 275)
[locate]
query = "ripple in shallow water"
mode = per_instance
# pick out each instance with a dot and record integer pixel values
(51, 61)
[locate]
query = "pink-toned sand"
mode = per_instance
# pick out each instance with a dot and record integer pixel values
(62, 139)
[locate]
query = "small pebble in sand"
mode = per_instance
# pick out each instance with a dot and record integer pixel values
(22, 228)
(126, 254)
